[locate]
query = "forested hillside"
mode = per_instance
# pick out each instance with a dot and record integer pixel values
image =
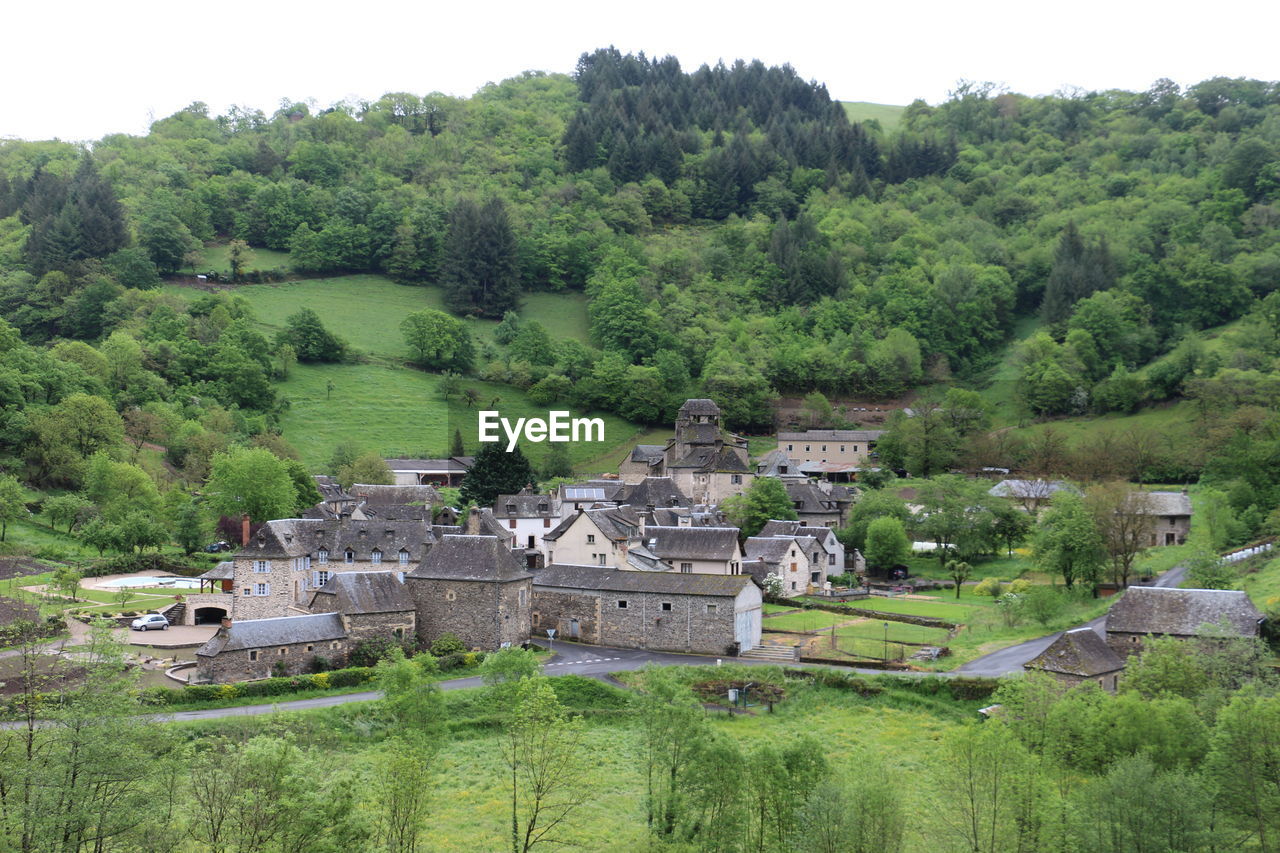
(734, 234)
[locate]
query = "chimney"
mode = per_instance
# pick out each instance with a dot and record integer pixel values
(244, 530)
(226, 621)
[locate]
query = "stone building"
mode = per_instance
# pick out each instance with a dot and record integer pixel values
(529, 516)
(697, 550)
(372, 605)
(594, 537)
(1172, 516)
(1030, 495)
(1152, 611)
(662, 611)
(432, 472)
(820, 504)
(798, 561)
(826, 537)
(261, 648)
(834, 453)
(1077, 656)
(473, 587)
(705, 463)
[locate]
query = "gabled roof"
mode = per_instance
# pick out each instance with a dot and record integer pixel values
(617, 523)
(1030, 489)
(376, 495)
(713, 458)
(851, 435)
(1182, 612)
(646, 453)
(692, 543)
(363, 592)
(224, 571)
(654, 492)
(453, 464)
(1079, 652)
(470, 558)
(769, 549)
(281, 631)
(776, 463)
(1168, 503)
(593, 578)
(526, 506)
(591, 491)
(813, 499)
(481, 522)
(300, 537)
(699, 406)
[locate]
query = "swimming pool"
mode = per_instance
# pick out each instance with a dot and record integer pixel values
(175, 583)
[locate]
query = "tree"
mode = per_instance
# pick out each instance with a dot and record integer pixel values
(456, 447)
(873, 505)
(557, 462)
(764, 500)
(503, 671)
(13, 503)
(1125, 520)
(190, 529)
(250, 481)
(924, 444)
(239, 256)
(887, 543)
(544, 752)
(479, 269)
(369, 468)
(1067, 541)
(959, 572)
(1243, 761)
(68, 509)
(496, 472)
(310, 339)
(673, 727)
(1206, 570)
(993, 790)
(438, 341)
(955, 515)
(66, 580)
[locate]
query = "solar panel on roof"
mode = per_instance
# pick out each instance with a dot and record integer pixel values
(584, 494)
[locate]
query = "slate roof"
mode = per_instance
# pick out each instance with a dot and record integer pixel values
(380, 495)
(713, 458)
(481, 522)
(609, 489)
(1029, 489)
(526, 506)
(280, 631)
(836, 435)
(1182, 612)
(770, 549)
(773, 463)
(1079, 652)
(562, 576)
(692, 543)
(783, 527)
(1168, 503)
(454, 464)
(654, 492)
(699, 406)
(470, 558)
(364, 592)
(299, 537)
(224, 571)
(814, 500)
(647, 453)
(618, 523)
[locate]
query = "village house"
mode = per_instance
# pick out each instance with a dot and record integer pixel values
(696, 550)
(431, 472)
(1172, 516)
(1078, 656)
(820, 504)
(798, 561)
(835, 554)
(367, 501)
(832, 454)
(1030, 495)
(473, 587)
(529, 516)
(1150, 611)
(260, 648)
(660, 611)
(706, 464)
(588, 494)
(373, 605)
(275, 573)
(594, 537)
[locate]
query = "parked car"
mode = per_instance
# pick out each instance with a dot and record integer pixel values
(151, 620)
(217, 547)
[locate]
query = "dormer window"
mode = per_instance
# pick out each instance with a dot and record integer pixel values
(542, 507)
(319, 534)
(375, 557)
(511, 509)
(322, 556)
(288, 538)
(349, 556)
(404, 557)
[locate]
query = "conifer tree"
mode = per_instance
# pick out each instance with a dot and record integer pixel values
(479, 268)
(496, 472)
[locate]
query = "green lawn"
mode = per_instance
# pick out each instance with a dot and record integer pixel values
(366, 310)
(217, 258)
(399, 412)
(898, 632)
(887, 114)
(805, 620)
(939, 609)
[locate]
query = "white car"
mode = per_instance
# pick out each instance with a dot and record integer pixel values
(151, 620)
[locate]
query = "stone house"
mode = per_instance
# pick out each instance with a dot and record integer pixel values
(367, 501)
(696, 550)
(372, 605)
(705, 463)
(834, 454)
(594, 537)
(653, 493)
(820, 504)
(662, 611)
(799, 561)
(529, 516)
(473, 587)
(826, 537)
(1146, 611)
(261, 648)
(1172, 511)
(589, 493)
(1031, 495)
(1078, 656)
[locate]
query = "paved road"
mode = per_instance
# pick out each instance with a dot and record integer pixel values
(1011, 659)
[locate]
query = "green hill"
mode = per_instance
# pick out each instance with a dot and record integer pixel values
(887, 114)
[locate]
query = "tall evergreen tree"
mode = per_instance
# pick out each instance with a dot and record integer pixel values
(479, 269)
(496, 472)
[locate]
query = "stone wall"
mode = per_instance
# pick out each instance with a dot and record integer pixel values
(1125, 644)
(396, 626)
(483, 614)
(661, 622)
(248, 664)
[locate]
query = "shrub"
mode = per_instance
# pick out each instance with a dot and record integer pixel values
(320, 681)
(989, 586)
(369, 652)
(471, 659)
(228, 691)
(1019, 586)
(279, 669)
(351, 676)
(450, 662)
(320, 664)
(447, 644)
(158, 695)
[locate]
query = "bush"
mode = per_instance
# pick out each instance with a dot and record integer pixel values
(369, 652)
(447, 644)
(351, 676)
(320, 663)
(450, 662)
(320, 681)
(1019, 586)
(989, 586)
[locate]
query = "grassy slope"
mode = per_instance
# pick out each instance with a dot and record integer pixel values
(888, 115)
(217, 258)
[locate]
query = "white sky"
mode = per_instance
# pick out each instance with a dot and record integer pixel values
(79, 70)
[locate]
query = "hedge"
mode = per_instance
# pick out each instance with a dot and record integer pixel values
(350, 677)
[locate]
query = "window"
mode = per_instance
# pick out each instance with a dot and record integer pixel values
(793, 585)
(686, 568)
(322, 556)
(799, 504)
(666, 606)
(311, 647)
(321, 578)
(591, 539)
(622, 604)
(789, 447)
(375, 557)
(815, 577)
(542, 507)
(806, 448)
(248, 591)
(262, 565)
(253, 654)
(824, 448)
(855, 448)
(284, 650)
(831, 559)
(511, 522)
(262, 589)
(546, 522)
(842, 448)
(602, 560)
(404, 557)
(521, 597)
(535, 618)
(711, 608)
(398, 633)
(335, 645)
(450, 595)
(736, 479)
(349, 556)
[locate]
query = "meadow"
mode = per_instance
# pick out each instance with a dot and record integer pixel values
(888, 115)
(217, 258)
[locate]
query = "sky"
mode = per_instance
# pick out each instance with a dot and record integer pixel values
(79, 70)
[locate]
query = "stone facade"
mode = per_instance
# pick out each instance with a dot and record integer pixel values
(261, 648)
(482, 614)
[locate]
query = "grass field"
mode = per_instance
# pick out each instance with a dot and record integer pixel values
(888, 115)
(939, 609)
(399, 412)
(218, 259)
